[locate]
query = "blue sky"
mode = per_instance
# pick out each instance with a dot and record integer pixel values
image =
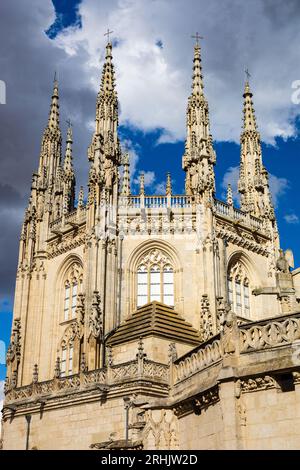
(73, 38)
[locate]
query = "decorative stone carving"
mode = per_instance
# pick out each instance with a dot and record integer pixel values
(172, 352)
(35, 374)
(265, 334)
(206, 321)
(258, 383)
(57, 368)
(83, 364)
(198, 359)
(14, 349)
(282, 263)
(95, 317)
(72, 332)
(229, 337)
(80, 309)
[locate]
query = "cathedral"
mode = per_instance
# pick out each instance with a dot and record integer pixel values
(167, 321)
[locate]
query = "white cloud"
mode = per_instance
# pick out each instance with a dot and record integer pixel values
(154, 81)
(291, 219)
(160, 188)
(149, 178)
(278, 186)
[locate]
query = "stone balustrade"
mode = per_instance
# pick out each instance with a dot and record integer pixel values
(156, 202)
(231, 212)
(270, 333)
(198, 359)
(139, 369)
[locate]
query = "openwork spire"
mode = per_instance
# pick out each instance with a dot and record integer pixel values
(197, 85)
(142, 184)
(168, 185)
(253, 182)
(249, 114)
(68, 162)
(199, 157)
(125, 191)
(108, 73)
(68, 174)
(229, 196)
(104, 152)
(53, 121)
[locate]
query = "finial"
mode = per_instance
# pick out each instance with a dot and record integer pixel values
(53, 120)
(197, 85)
(69, 132)
(35, 374)
(125, 189)
(142, 184)
(247, 86)
(57, 368)
(80, 197)
(229, 195)
(168, 185)
(108, 34)
(197, 37)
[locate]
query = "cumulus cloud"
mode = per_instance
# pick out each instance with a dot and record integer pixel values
(278, 187)
(291, 219)
(154, 61)
(153, 58)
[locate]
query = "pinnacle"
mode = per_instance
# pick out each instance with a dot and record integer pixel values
(249, 114)
(68, 154)
(108, 74)
(197, 85)
(53, 121)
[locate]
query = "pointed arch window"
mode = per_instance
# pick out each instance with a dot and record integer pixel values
(66, 363)
(72, 287)
(239, 290)
(155, 279)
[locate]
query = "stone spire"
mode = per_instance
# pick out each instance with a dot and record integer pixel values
(50, 155)
(104, 152)
(81, 198)
(125, 191)
(168, 185)
(199, 157)
(68, 161)
(69, 175)
(53, 121)
(253, 182)
(229, 197)
(142, 184)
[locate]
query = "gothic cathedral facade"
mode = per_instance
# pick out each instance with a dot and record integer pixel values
(152, 322)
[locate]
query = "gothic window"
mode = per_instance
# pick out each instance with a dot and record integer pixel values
(155, 279)
(72, 287)
(238, 290)
(66, 363)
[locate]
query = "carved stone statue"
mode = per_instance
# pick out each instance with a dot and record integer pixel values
(282, 264)
(95, 320)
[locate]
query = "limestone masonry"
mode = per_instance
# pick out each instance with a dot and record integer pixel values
(152, 322)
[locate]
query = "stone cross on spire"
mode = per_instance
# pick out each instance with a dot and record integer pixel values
(108, 34)
(197, 37)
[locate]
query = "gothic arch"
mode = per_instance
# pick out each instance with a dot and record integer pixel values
(244, 259)
(62, 329)
(66, 265)
(166, 249)
(241, 277)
